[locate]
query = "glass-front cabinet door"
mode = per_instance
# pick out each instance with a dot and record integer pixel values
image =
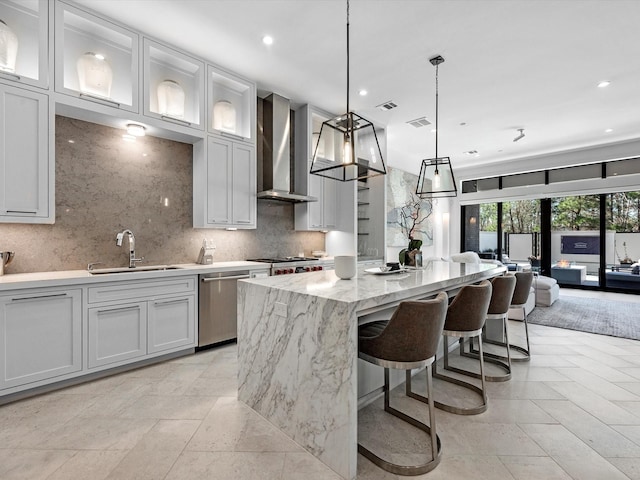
(173, 85)
(231, 106)
(96, 59)
(24, 51)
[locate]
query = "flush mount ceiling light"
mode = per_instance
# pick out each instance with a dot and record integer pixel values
(521, 136)
(347, 147)
(436, 178)
(604, 84)
(136, 130)
(267, 40)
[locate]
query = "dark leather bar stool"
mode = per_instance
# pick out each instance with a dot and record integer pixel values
(408, 340)
(501, 295)
(465, 318)
(520, 296)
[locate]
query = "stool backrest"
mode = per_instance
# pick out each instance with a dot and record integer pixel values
(413, 332)
(523, 287)
(501, 294)
(468, 310)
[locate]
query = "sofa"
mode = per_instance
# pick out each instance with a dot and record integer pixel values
(623, 280)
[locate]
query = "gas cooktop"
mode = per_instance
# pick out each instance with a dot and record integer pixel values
(283, 259)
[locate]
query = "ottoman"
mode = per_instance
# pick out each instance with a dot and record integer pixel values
(547, 290)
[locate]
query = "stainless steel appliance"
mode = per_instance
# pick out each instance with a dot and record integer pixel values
(5, 259)
(218, 307)
(287, 265)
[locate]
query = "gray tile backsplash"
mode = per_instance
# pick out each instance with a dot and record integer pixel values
(105, 184)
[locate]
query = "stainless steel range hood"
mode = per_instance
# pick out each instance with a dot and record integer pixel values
(276, 166)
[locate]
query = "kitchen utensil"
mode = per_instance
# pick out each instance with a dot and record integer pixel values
(5, 259)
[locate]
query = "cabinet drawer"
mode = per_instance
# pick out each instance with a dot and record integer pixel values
(110, 292)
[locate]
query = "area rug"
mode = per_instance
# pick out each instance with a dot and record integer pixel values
(606, 317)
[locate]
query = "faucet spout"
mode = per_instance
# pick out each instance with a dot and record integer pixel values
(132, 246)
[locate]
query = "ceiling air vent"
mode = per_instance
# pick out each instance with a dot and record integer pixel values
(419, 122)
(388, 105)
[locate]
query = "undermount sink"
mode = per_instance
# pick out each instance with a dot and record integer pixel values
(146, 268)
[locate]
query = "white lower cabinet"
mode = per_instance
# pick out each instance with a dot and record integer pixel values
(130, 321)
(170, 323)
(117, 333)
(40, 335)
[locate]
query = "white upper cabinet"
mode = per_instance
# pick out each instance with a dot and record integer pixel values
(231, 106)
(26, 173)
(173, 85)
(95, 59)
(25, 34)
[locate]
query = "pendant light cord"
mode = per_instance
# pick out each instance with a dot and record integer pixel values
(437, 118)
(348, 111)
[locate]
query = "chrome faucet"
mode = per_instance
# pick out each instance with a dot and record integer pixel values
(132, 247)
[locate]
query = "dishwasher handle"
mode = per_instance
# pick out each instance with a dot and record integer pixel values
(217, 279)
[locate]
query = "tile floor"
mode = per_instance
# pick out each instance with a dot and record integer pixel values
(573, 412)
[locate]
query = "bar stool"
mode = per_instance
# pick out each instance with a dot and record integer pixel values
(465, 318)
(501, 295)
(408, 340)
(520, 296)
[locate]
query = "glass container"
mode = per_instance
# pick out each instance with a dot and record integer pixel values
(95, 75)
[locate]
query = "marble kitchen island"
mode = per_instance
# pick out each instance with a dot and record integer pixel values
(298, 347)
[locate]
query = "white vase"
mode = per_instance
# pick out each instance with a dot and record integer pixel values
(224, 116)
(94, 74)
(171, 99)
(345, 266)
(8, 48)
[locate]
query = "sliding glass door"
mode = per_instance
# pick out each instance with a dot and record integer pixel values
(623, 225)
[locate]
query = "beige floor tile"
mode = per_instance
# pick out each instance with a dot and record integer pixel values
(630, 387)
(632, 432)
(178, 407)
(520, 390)
(488, 439)
(465, 467)
(590, 356)
(605, 410)
(168, 435)
(144, 464)
(534, 468)
(216, 387)
(98, 434)
(629, 466)
(599, 436)
(232, 426)
(228, 465)
(89, 464)
(527, 373)
(592, 467)
(31, 464)
(299, 466)
(557, 440)
(596, 383)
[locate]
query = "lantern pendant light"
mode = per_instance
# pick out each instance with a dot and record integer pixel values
(347, 147)
(436, 178)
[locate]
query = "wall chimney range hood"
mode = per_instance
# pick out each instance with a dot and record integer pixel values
(276, 161)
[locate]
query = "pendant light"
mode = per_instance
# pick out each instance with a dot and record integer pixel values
(347, 147)
(436, 178)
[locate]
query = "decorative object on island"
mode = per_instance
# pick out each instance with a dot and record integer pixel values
(224, 116)
(94, 74)
(358, 154)
(409, 218)
(170, 99)
(345, 266)
(436, 175)
(8, 48)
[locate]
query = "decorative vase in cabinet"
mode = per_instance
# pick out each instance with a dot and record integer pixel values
(171, 99)
(94, 75)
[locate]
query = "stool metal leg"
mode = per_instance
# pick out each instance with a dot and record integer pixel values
(501, 361)
(480, 391)
(436, 446)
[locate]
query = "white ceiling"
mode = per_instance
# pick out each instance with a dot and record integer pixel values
(509, 64)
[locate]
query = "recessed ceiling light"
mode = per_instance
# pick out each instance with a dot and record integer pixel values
(362, 92)
(71, 141)
(608, 130)
(462, 124)
(99, 56)
(267, 40)
(604, 83)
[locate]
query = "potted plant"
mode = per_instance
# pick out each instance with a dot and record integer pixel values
(411, 217)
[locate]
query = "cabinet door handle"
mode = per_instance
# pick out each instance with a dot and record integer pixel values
(216, 279)
(133, 307)
(11, 76)
(33, 212)
(175, 120)
(231, 135)
(169, 302)
(38, 297)
(104, 101)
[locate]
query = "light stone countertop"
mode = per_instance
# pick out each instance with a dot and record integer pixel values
(17, 281)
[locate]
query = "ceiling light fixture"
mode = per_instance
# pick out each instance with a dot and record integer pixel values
(360, 156)
(436, 175)
(608, 130)
(604, 84)
(136, 130)
(521, 136)
(363, 92)
(267, 40)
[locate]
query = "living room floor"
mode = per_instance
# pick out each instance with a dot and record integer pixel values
(573, 412)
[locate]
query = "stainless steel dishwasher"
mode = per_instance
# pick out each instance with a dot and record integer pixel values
(218, 306)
